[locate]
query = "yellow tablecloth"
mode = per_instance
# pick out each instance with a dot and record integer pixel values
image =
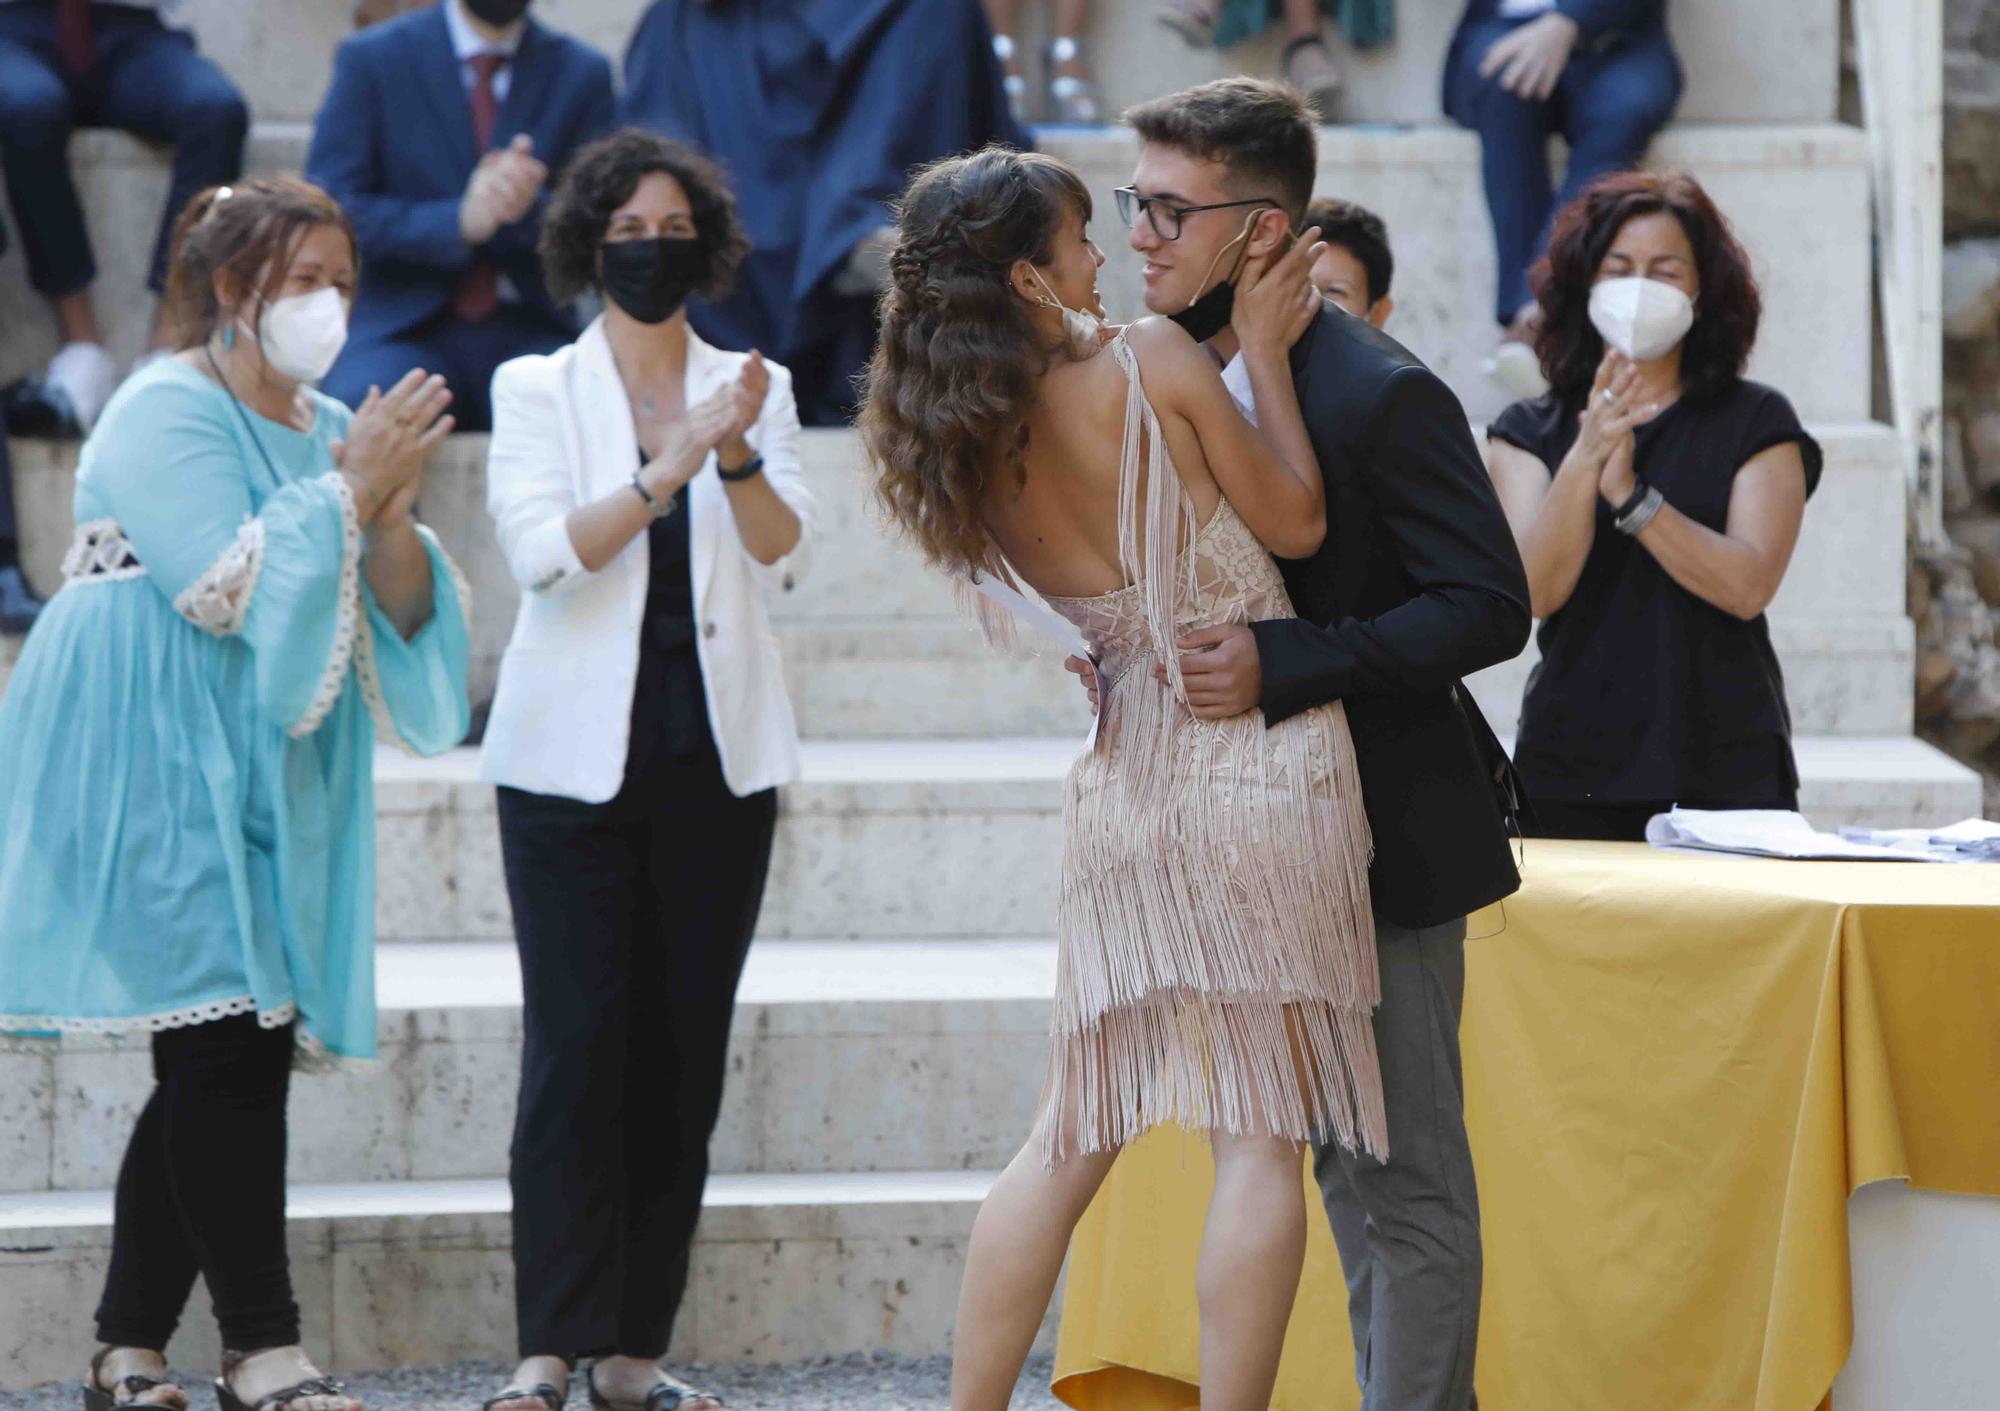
(1677, 1069)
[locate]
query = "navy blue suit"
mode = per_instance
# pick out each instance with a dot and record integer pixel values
(393, 143)
(147, 80)
(819, 110)
(1619, 89)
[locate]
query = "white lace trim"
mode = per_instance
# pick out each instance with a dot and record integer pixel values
(335, 675)
(100, 553)
(219, 600)
(154, 1023)
(370, 680)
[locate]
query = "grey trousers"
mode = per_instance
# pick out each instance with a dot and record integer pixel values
(1408, 1228)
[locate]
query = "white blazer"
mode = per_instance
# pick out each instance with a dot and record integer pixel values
(562, 713)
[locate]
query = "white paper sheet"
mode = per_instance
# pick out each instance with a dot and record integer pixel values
(1760, 832)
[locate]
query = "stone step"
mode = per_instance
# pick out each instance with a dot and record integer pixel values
(850, 1056)
(875, 648)
(280, 53)
(1798, 196)
(403, 1273)
(954, 839)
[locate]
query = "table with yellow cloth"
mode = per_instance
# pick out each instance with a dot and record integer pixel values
(1677, 1068)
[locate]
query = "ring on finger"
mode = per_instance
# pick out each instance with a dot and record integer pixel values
(1607, 395)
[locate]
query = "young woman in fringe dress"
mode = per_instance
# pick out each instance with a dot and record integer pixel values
(1217, 962)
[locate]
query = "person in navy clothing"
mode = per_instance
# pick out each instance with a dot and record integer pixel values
(437, 135)
(1603, 73)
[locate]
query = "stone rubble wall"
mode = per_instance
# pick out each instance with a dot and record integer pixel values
(1955, 596)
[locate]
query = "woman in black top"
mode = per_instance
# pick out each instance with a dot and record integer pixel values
(1656, 496)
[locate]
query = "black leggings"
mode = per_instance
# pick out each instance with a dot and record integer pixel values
(202, 1191)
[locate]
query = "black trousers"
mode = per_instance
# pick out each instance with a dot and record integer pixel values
(202, 1191)
(633, 918)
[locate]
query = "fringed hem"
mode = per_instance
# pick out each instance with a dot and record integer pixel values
(1300, 1070)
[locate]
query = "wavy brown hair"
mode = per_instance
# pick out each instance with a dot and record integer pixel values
(248, 233)
(946, 393)
(1726, 313)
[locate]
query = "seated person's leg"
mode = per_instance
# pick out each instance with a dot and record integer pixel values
(1513, 141)
(36, 119)
(157, 87)
(1614, 103)
(18, 603)
(381, 363)
(468, 354)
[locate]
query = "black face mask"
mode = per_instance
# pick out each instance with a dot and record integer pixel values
(650, 279)
(1210, 314)
(497, 12)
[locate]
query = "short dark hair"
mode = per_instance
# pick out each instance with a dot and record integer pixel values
(1725, 327)
(247, 232)
(602, 177)
(1262, 131)
(1360, 232)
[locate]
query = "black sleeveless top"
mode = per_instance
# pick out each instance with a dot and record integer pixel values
(1646, 693)
(669, 701)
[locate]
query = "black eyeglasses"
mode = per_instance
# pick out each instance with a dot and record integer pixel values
(1164, 215)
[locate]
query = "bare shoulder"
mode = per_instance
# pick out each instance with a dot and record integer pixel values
(1157, 338)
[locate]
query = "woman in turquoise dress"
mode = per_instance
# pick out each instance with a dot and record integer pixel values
(187, 817)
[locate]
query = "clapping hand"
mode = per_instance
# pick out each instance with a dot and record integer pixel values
(1275, 298)
(1604, 435)
(387, 442)
(746, 402)
(686, 440)
(503, 189)
(1530, 61)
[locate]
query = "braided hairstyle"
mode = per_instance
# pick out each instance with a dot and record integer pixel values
(959, 354)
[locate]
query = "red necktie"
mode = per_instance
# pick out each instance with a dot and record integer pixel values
(73, 39)
(479, 292)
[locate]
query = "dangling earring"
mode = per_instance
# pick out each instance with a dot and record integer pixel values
(229, 335)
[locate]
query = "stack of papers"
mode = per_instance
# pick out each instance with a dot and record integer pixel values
(1759, 832)
(1974, 840)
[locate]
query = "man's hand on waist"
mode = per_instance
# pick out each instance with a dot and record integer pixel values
(1221, 669)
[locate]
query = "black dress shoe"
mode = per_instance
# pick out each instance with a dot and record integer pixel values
(36, 407)
(18, 604)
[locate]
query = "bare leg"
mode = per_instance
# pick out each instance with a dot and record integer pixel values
(1006, 16)
(78, 318)
(1070, 17)
(1302, 19)
(1011, 1266)
(1252, 1252)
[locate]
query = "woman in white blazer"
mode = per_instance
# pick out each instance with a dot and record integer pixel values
(647, 493)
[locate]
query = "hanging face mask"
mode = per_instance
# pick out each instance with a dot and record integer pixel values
(650, 279)
(499, 13)
(1082, 332)
(1208, 314)
(302, 335)
(1642, 318)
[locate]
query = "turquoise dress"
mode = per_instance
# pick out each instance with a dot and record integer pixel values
(187, 803)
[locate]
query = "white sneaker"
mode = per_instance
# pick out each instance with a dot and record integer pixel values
(1518, 371)
(87, 374)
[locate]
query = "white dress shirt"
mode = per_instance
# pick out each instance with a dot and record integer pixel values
(1236, 377)
(468, 44)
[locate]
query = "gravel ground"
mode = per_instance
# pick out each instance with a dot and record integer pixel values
(858, 1383)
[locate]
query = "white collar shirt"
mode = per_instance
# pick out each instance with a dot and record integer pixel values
(467, 43)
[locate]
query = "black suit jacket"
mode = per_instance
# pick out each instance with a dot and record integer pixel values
(1417, 585)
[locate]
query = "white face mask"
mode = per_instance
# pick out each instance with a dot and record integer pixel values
(1084, 331)
(1642, 318)
(303, 334)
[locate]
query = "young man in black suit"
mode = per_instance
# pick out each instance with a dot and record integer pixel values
(1417, 585)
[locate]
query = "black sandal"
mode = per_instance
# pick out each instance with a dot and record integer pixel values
(97, 1397)
(228, 1400)
(550, 1395)
(666, 1395)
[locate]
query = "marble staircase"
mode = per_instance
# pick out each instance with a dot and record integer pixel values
(887, 1051)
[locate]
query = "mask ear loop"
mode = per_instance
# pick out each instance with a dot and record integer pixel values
(1242, 236)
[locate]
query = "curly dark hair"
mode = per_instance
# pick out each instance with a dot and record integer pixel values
(1726, 315)
(958, 355)
(602, 177)
(247, 232)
